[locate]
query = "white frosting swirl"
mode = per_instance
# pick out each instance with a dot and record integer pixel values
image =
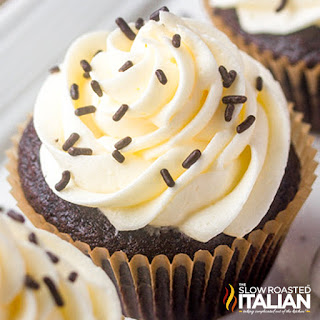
(229, 189)
(91, 296)
(261, 16)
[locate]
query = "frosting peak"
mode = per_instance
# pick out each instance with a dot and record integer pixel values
(44, 277)
(165, 95)
(273, 16)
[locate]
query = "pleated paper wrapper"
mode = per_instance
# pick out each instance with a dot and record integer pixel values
(186, 288)
(300, 84)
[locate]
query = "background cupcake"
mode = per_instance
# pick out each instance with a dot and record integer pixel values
(284, 36)
(130, 137)
(43, 277)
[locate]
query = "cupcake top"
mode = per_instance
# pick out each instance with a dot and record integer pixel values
(44, 277)
(278, 17)
(164, 122)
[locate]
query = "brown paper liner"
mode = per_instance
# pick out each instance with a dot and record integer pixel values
(189, 288)
(300, 84)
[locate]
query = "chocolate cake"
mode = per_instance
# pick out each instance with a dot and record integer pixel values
(89, 225)
(301, 45)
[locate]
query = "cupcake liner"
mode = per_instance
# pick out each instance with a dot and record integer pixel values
(186, 288)
(300, 84)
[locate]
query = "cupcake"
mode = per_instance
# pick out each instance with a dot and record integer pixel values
(285, 36)
(43, 277)
(161, 142)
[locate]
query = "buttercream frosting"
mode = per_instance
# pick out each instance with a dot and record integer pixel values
(231, 186)
(262, 16)
(28, 258)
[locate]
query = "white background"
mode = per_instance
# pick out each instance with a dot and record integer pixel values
(34, 34)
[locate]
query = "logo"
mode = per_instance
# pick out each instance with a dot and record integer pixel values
(275, 300)
(228, 298)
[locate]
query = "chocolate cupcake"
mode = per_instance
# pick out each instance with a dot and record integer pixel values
(43, 277)
(285, 37)
(158, 141)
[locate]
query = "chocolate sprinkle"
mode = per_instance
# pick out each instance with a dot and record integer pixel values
(52, 257)
(86, 75)
(31, 283)
(259, 84)
(118, 156)
(156, 15)
(74, 137)
(191, 159)
(80, 152)
(120, 113)
(232, 75)
(126, 66)
(229, 112)
(227, 77)
(176, 40)
(167, 178)
(85, 110)
(74, 92)
(246, 124)
(33, 238)
(85, 66)
(73, 276)
(66, 176)
(282, 5)
(96, 88)
(224, 73)
(234, 99)
(124, 27)
(123, 143)
(16, 216)
(161, 77)
(54, 291)
(139, 23)
(97, 52)
(54, 69)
